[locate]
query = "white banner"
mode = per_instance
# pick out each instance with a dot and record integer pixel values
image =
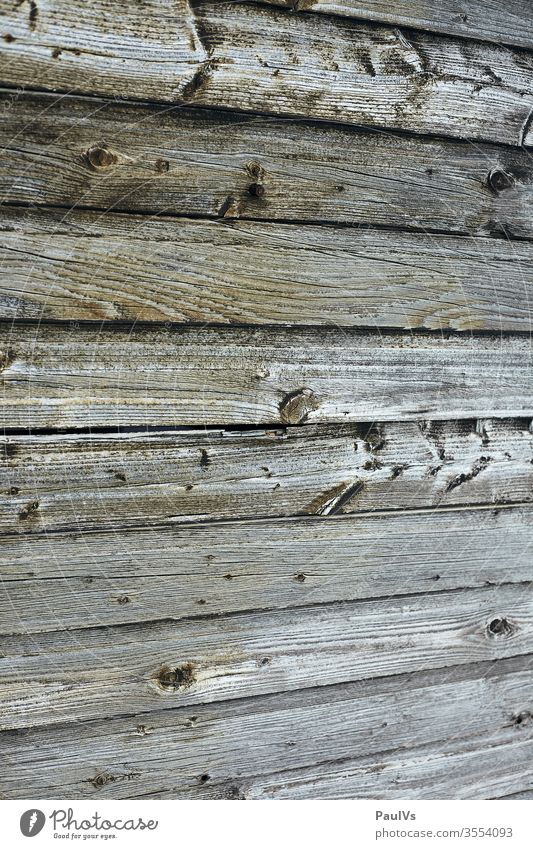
(277, 824)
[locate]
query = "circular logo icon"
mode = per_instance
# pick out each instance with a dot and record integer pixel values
(32, 822)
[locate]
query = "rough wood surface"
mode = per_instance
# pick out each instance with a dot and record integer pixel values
(72, 376)
(117, 578)
(74, 265)
(142, 49)
(312, 65)
(460, 770)
(501, 22)
(212, 752)
(110, 481)
(94, 673)
(195, 162)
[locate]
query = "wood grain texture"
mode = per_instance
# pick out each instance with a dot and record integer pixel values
(102, 579)
(460, 770)
(307, 66)
(144, 49)
(84, 266)
(212, 752)
(194, 162)
(110, 481)
(499, 22)
(72, 377)
(94, 673)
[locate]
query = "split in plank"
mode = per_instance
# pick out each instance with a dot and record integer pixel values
(71, 377)
(173, 573)
(86, 266)
(194, 162)
(312, 66)
(110, 481)
(212, 751)
(64, 676)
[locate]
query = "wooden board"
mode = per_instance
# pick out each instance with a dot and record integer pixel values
(70, 376)
(61, 265)
(180, 161)
(503, 23)
(307, 66)
(109, 481)
(67, 676)
(77, 581)
(143, 49)
(457, 770)
(212, 752)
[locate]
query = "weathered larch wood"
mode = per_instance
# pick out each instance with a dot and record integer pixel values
(212, 751)
(81, 266)
(266, 471)
(92, 673)
(307, 66)
(503, 23)
(73, 377)
(113, 578)
(201, 163)
(117, 480)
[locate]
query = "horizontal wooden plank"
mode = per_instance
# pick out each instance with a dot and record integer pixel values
(110, 481)
(70, 376)
(263, 59)
(196, 162)
(85, 266)
(94, 673)
(149, 49)
(116, 578)
(501, 23)
(433, 772)
(213, 753)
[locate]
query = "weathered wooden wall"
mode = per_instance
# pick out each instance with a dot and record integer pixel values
(266, 476)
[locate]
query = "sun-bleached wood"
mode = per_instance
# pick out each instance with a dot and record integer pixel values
(71, 376)
(143, 50)
(116, 578)
(109, 481)
(194, 162)
(503, 23)
(65, 676)
(315, 66)
(82, 265)
(211, 752)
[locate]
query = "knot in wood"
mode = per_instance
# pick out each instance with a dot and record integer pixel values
(99, 156)
(499, 180)
(500, 627)
(175, 679)
(257, 190)
(296, 406)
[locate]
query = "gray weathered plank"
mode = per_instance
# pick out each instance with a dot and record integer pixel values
(117, 578)
(109, 481)
(458, 770)
(312, 65)
(500, 22)
(195, 162)
(81, 265)
(70, 376)
(214, 752)
(85, 674)
(147, 49)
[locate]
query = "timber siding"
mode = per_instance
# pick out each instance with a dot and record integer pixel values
(266, 471)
